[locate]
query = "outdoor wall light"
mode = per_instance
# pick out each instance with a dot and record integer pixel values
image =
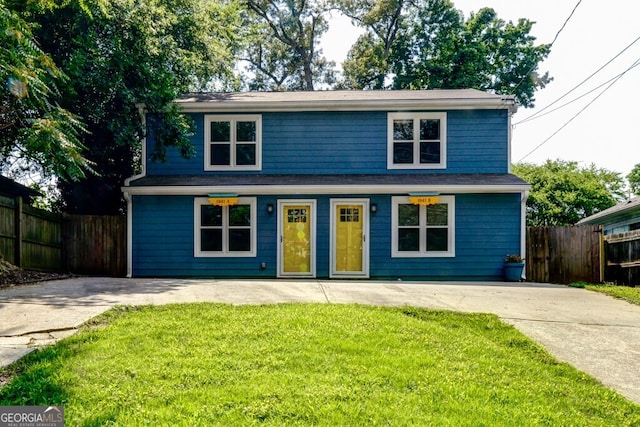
(374, 208)
(270, 208)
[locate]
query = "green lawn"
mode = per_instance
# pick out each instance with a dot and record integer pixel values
(626, 293)
(308, 364)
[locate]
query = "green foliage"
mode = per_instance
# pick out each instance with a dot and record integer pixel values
(562, 193)
(627, 293)
(35, 129)
(429, 45)
(125, 53)
(634, 180)
(306, 364)
(282, 45)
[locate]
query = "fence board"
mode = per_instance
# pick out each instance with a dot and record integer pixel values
(96, 245)
(7, 229)
(623, 258)
(564, 254)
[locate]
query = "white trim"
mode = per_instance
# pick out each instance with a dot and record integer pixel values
(451, 228)
(312, 226)
(365, 236)
(523, 228)
(260, 190)
(225, 253)
(232, 119)
(342, 105)
(128, 194)
(127, 197)
(416, 117)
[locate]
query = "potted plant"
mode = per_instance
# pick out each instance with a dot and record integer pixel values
(513, 266)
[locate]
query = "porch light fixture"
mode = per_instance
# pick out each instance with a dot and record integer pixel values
(374, 208)
(424, 199)
(270, 208)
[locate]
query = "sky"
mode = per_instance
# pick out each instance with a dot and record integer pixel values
(607, 132)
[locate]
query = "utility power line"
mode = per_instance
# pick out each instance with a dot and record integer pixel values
(581, 83)
(579, 112)
(550, 46)
(540, 113)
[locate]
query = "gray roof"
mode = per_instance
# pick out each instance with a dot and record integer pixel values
(619, 209)
(344, 100)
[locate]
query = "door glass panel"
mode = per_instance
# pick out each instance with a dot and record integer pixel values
(296, 251)
(349, 241)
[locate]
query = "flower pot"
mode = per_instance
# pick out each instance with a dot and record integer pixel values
(513, 271)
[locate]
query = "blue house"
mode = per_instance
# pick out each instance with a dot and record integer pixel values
(411, 185)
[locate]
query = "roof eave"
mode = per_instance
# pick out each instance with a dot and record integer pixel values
(259, 190)
(189, 106)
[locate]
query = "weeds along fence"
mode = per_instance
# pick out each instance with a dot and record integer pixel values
(622, 253)
(80, 244)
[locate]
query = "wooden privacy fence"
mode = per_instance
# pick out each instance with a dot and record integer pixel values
(95, 245)
(564, 254)
(30, 237)
(80, 244)
(623, 258)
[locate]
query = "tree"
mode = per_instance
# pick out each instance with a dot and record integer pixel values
(282, 50)
(35, 132)
(562, 193)
(367, 64)
(634, 180)
(127, 53)
(428, 44)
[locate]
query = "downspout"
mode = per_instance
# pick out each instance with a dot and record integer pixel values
(128, 197)
(523, 228)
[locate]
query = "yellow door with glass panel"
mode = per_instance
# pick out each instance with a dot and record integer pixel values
(296, 230)
(349, 243)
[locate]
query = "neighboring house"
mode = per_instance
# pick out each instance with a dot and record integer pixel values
(620, 218)
(412, 185)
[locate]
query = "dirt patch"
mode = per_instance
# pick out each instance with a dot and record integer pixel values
(10, 275)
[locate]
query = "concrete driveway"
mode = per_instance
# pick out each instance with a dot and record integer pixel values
(593, 332)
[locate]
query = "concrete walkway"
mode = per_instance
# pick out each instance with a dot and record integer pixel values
(593, 332)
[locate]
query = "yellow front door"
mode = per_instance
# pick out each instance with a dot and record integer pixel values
(297, 239)
(349, 239)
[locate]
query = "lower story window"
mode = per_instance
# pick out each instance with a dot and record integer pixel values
(225, 230)
(423, 231)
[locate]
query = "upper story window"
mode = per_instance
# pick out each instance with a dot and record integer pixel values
(417, 141)
(233, 142)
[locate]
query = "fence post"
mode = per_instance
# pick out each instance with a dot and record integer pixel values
(18, 232)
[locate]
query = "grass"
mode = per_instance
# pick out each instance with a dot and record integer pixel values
(308, 364)
(627, 293)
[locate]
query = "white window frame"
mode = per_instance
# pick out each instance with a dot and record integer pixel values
(233, 119)
(422, 252)
(200, 201)
(416, 117)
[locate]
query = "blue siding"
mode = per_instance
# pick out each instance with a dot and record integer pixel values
(487, 228)
(352, 142)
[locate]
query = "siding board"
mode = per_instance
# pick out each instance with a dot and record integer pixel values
(479, 251)
(350, 142)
